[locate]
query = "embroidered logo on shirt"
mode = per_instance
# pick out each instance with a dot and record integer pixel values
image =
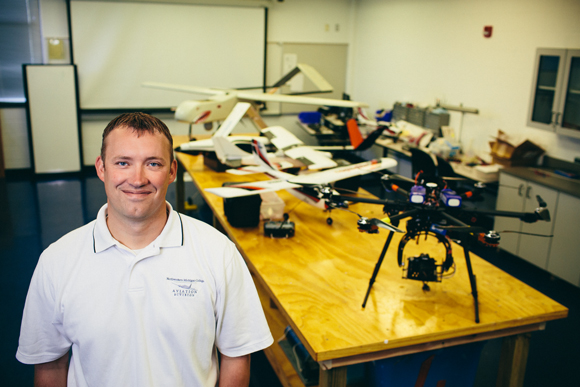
(183, 287)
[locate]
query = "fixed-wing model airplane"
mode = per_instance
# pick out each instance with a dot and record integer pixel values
(306, 187)
(229, 152)
(222, 101)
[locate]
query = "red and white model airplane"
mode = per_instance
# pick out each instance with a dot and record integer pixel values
(303, 187)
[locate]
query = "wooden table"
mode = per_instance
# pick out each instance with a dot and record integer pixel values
(316, 281)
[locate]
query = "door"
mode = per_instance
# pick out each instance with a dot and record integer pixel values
(509, 198)
(535, 248)
(569, 123)
(564, 259)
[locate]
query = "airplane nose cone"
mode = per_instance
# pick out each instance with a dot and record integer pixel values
(187, 111)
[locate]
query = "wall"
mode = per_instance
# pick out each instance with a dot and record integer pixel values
(293, 21)
(422, 50)
(406, 50)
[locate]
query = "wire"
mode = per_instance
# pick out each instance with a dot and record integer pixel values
(417, 176)
(451, 274)
(293, 208)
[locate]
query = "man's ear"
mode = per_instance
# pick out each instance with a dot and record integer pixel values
(173, 171)
(100, 167)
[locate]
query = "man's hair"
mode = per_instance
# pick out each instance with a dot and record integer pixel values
(139, 123)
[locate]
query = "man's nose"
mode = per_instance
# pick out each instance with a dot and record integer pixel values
(138, 177)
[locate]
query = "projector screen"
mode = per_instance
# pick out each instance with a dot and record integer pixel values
(117, 46)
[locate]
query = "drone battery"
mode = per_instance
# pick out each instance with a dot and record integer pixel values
(243, 211)
(450, 198)
(279, 229)
(417, 194)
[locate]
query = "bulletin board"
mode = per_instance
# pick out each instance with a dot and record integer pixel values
(117, 46)
(52, 110)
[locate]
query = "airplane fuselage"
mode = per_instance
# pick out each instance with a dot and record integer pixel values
(213, 109)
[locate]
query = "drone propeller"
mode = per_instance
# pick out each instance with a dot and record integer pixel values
(470, 229)
(371, 225)
(396, 177)
(543, 213)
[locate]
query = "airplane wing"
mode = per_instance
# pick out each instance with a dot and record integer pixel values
(184, 88)
(313, 159)
(232, 119)
(198, 146)
(292, 147)
(340, 173)
(254, 188)
(207, 145)
(299, 99)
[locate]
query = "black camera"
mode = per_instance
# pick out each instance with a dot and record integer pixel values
(423, 268)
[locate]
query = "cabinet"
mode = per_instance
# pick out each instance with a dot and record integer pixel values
(564, 258)
(555, 97)
(517, 194)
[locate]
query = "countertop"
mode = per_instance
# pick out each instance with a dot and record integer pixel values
(546, 177)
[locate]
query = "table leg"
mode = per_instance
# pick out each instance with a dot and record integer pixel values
(512, 360)
(334, 377)
(180, 188)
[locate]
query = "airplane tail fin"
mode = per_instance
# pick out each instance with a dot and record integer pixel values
(226, 151)
(354, 133)
(261, 156)
(310, 72)
(356, 138)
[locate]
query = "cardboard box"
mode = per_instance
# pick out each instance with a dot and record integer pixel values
(503, 152)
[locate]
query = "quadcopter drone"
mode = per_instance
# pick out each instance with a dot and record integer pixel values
(433, 210)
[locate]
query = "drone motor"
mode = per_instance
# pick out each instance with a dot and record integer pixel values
(365, 225)
(490, 238)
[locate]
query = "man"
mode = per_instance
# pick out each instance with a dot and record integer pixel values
(143, 295)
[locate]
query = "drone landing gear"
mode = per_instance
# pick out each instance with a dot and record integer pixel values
(472, 280)
(378, 266)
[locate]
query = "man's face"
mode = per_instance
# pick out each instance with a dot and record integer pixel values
(136, 172)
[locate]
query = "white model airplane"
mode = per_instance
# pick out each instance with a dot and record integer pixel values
(222, 101)
(229, 152)
(301, 186)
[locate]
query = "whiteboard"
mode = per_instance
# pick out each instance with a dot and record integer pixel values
(52, 108)
(117, 46)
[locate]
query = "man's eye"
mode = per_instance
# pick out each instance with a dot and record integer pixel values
(154, 164)
(122, 163)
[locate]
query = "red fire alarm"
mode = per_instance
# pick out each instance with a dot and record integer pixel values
(487, 31)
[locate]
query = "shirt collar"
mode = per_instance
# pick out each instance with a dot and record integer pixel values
(171, 235)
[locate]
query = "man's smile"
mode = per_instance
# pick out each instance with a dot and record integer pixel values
(136, 193)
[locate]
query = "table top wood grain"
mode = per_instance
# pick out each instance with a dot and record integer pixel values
(319, 277)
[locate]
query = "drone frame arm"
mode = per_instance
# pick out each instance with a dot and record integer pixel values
(527, 217)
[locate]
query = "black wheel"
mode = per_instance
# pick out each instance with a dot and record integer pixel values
(329, 221)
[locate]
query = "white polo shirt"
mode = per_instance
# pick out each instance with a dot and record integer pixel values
(151, 319)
